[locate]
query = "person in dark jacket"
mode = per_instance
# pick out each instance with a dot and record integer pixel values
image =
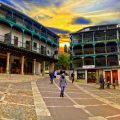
(101, 82)
(51, 77)
(73, 77)
(114, 83)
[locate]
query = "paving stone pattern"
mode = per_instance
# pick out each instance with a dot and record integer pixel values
(24, 101)
(78, 103)
(16, 101)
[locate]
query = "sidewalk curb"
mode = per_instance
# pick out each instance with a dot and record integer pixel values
(41, 109)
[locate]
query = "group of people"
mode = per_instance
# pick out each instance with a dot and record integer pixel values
(107, 81)
(62, 81)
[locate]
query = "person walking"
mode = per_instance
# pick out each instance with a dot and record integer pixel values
(114, 83)
(72, 77)
(62, 84)
(51, 77)
(101, 82)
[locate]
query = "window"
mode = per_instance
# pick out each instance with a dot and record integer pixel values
(35, 46)
(7, 38)
(48, 52)
(28, 45)
(15, 41)
(80, 74)
(43, 50)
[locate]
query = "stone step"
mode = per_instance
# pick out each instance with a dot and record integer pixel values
(16, 77)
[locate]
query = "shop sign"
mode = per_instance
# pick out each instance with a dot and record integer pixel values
(88, 66)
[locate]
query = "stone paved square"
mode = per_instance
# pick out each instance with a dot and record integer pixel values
(58, 102)
(25, 85)
(81, 95)
(103, 110)
(19, 99)
(88, 102)
(114, 118)
(26, 92)
(64, 114)
(17, 112)
(50, 94)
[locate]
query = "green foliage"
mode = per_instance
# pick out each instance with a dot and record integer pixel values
(63, 62)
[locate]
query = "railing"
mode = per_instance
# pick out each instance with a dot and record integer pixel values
(88, 51)
(100, 62)
(111, 49)
(97, 39)
(104, 38)
(89, 39)
(26, 25)
(78, 52)
(99, 49)
(26, 46)
(75, 41)
(111, 37)
(76, 65)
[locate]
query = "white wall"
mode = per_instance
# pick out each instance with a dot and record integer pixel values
(86, 76)
(37, 41)
(26, 38)
(38, 68)
(119, 76)
(3, 30)
(19, 35)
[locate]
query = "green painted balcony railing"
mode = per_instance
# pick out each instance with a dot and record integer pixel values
(96, 39)
(26, 46)
(12, 20)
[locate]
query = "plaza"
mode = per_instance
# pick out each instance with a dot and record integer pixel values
(37, 99)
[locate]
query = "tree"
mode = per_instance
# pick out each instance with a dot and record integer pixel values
(63, 62)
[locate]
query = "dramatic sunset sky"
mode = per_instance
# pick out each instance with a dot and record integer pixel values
(66, 16)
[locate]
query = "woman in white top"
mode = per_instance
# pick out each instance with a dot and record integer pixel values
(62, 84)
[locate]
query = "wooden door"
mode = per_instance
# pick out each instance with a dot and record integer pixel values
(115, 75)
(108, 74)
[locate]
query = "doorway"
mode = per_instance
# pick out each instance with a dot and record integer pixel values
(108, 74)
(28, 67)
(91, 76)
(2, 65)
(115, 75)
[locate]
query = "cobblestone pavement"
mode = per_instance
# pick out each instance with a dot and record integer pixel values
(16, 101)
(81, 102)
(111, 94)
(39, 100)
